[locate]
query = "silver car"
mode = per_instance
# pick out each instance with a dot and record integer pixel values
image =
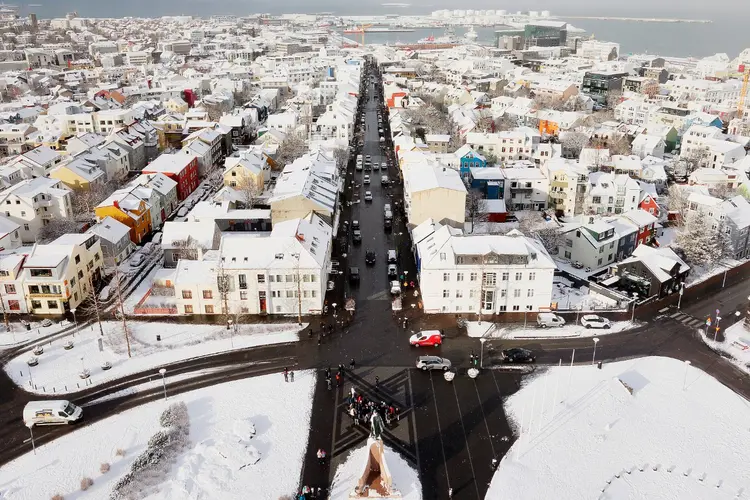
(433, 363)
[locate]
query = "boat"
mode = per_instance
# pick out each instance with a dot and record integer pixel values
(471, 35)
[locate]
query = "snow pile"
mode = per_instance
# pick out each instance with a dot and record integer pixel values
(405, 478)
(736, 344)
(59, 369)
(568, 297)
(250, 446)
(652, 428)
(532, 331)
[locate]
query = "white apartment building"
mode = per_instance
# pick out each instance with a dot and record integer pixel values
(489, 273)
(11, 281)
(32, 203)
(611, 194)
(709, 145)
(283, 273)
(59, 276)
(635, 111)
(507, 146)
(598, 50)
(38, 162)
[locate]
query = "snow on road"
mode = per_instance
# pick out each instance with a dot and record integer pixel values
(681, 426)
(736, 344)
(405, 479)
(569, 298)
(59, 370)
(515, 331)
(222, 419)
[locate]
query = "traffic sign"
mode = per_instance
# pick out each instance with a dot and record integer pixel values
(708, 321)
(717, 312)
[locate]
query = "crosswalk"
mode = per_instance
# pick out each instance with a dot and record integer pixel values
(687, 319)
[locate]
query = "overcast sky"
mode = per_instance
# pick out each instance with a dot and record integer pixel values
(633, 8)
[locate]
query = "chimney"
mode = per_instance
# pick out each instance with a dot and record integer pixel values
(116, 204)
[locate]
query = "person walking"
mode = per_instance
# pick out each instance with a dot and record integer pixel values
(354, 394)
(494, 463)
(450, 492)
(291, 376)
(398, 414)
(377, 381)
(286, 374)
(338, 379)
(328, 382)
(351, 364)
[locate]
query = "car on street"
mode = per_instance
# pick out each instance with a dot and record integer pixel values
(388, 224)
(382, 139)
(355, 224)
(137, 260)
(46, 323)
(425, 363)
(577, 265)
(353, 275)
(368, 195)
(392, 257)
(384, 180)
(426, 338)
(357, 236)
(376, 166)
(183, 211)
(383, 165)
(366, 180)
(370, 258)
(368, 158)
(395, 287)
(359, 167)
(157, 237)
(517, 355)
(546, 320)
(595, 321)
(386, 207)
(392, 271)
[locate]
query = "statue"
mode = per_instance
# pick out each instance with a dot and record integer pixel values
(376, 480)
(376, 426)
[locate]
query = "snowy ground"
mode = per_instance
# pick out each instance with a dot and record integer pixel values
(567, 266)
(570, 298)
(60, 369)
(221, 428)
(489, 227)
(405, 479)
(515, 331)
(669, 234)
(143, 287)
(582, 432)
(736, 344)
(18, 333)
(702, 273)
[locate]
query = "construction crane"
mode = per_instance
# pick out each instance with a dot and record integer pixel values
(743, 92)
(362, 30)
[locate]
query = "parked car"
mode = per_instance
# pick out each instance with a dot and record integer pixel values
(368, 158)
(386, 208)
(370, 258)
(426, 338)
(368, 195)
(383, 165)
(395, 287)
(392, 257)
(577, 265)
(546, 320)
(595, 321)
(355, 224)
(517, 355)
(357, 236)
(366, 180)
(384, 180)
(425, 363)
(51, 412)
(359, 167)
(136, 260)
(157, 237)
(392, 271)
(353, 275)
(183, 211)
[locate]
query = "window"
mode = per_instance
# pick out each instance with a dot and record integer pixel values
(209, 309)
(36, 304)
(80, 275)
(243, 294)
(276, 293)
(313, 278)
(314, 294)
(25, 226)
(14, 305)
(271, 278)
(472, 294)
(516, 293)
(505, 276)
(188, 309)
(208, 294)
(530, 292)
(459, 294)
(278, 309)
(289, 294)
(289, 278)
(567, 254)
(488, 300)
(532, 276)
(78, 259)
(473, 277)
(446, 276)
(243, 280)
(503, 309)
(442, 256)
(52, 304)
(305, 294)
(503, 293)
(599, 262)
(446, 294)
(516, 308)
(187, 294)
(489, 279)
(96, 257)
(459, 276)
(519, 276)
(11, 289)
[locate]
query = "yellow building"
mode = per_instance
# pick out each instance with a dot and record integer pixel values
(79, 174)
(246, 172)
(176, 105)
(128, 209)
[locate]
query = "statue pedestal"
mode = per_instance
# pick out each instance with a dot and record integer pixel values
(376, 480)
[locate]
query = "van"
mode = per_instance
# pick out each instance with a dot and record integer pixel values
(386, 208)
(546, 320)
(53, 412)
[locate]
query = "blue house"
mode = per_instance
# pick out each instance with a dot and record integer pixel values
(469, 159)
(488, 180)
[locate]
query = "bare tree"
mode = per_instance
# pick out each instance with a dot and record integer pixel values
(722, 191)
(533, 224)
(698, 241)
(677, 200)
(249, 189)
(341, 155)
(505, 122)
(619, 145)
(292, 147)
(188, 249)
(490, 158)
(54, 228)
(690, 162)
(85, 201)
(573, 143)
(476, 207)
(217, 110)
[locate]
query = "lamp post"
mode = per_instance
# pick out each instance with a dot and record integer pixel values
(578, 311)
(718, 318)
(679, 300)
(75, 321)
(481, 352)
(30, 425)
(684, 380)
(632, 316)
(163, 372)
(231, 332)
(593, 358)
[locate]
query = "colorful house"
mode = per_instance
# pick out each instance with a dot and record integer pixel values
(127, 208)
(470, 159)
(646, 225)
(180, 167)
(648, 203)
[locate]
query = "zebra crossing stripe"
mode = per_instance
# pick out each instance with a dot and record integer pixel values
(676, 315)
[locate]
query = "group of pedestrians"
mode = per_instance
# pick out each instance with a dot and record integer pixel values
(308, 493)
(338, 377)
(361, 409)
(288, 375)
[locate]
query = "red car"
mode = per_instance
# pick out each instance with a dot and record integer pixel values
(426, 338)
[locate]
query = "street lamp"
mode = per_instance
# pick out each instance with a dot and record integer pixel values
(632, 316)
(593, 358)
(30, 425)
(163, 372)
(481, 352)
(718, 318)
(682, 290)
(231, 332)
(74, 320)
(684, 380)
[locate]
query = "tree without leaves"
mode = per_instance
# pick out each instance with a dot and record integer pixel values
(57, 227)
(690, 162)
(619, 145)
(188, 249)
(217, 110)
(85, 201)
(699, 242)
(341, 156)
(248, 189)
(476, 207)
(573, 143)
(534, 225)
(677, 201)
(292, 147)
(722, 191)
(490, 158)
(505, 122)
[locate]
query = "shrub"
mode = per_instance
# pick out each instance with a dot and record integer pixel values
(120, 452)
(86, 483)
(104, 468)
(57, 497)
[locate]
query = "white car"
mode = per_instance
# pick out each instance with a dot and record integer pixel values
(183, 211)
(395, 287)
(594, 321)
(368, 195)
(366, 180)
(137, 260)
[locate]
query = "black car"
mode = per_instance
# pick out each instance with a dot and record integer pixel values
(355, 224)
(518, 355)
(353, 275)
(370, 258)
(357, 236)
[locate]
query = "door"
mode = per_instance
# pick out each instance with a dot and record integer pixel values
(262, 302)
